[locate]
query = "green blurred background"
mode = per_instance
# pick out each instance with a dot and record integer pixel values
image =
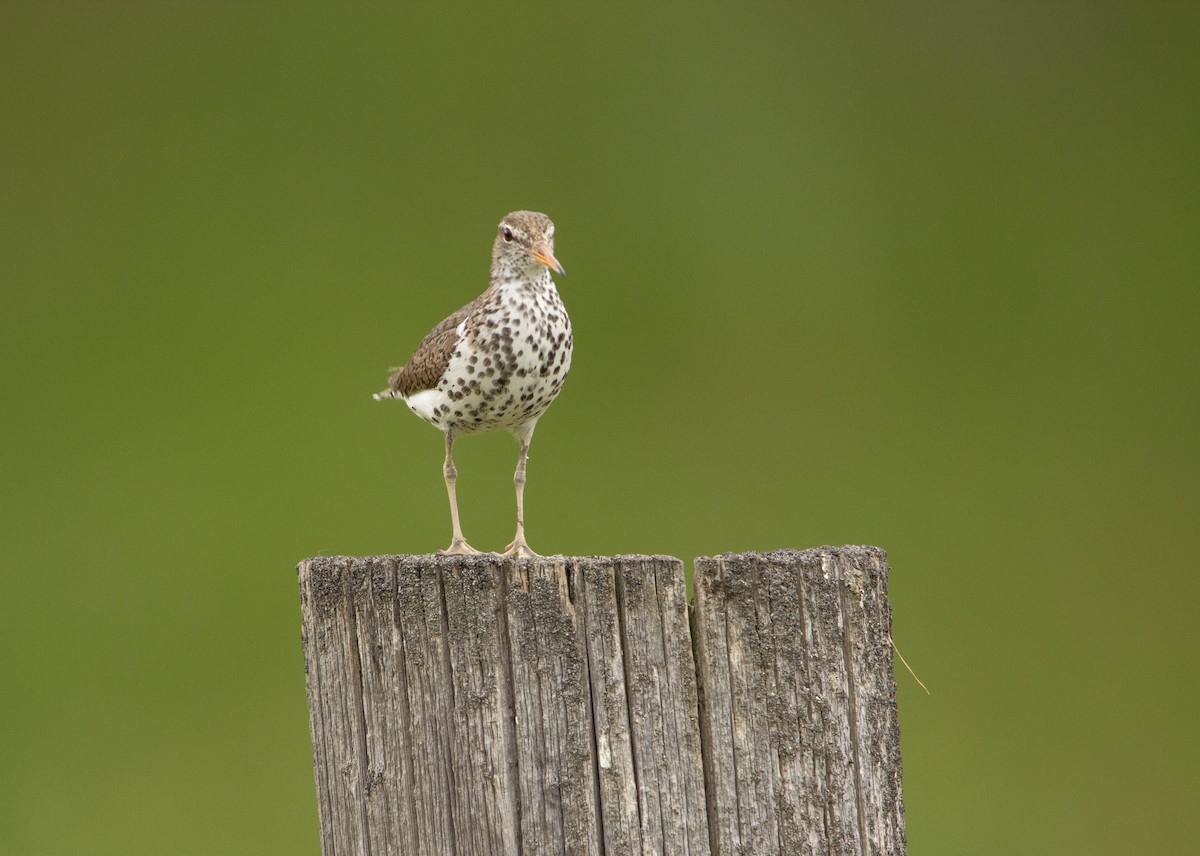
(922, 276)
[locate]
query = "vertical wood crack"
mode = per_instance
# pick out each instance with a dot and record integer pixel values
(619, 588)
(852, 714)
(360, 711)
(448, 669)
(510, 707)
(589, 665)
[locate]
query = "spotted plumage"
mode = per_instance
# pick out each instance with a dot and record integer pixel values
(497, 363)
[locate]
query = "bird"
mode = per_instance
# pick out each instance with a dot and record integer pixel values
(497, 363)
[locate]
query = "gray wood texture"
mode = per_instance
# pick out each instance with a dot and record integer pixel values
(798, 702)
(482, 705)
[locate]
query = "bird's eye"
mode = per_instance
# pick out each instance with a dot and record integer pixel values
(507, 234)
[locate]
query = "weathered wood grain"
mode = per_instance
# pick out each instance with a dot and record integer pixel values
(551, 707)
(660, 683)
(482, 705)
(801, 734)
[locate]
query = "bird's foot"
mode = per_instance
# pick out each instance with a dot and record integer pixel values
(520, 550)
(459, 547)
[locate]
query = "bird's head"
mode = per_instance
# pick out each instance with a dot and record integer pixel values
(525, 241)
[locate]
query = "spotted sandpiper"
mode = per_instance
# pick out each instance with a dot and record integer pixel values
(498, 362)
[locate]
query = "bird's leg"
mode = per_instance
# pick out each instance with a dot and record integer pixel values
(518, 547)
(459, 543)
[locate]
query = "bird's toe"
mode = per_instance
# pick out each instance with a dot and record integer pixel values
(459, 548)
(520, 550)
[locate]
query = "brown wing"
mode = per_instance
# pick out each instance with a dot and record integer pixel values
(427, 365)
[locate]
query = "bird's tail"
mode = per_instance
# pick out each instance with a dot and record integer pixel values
(392, 391)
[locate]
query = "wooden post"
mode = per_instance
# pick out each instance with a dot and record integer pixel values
(481, 705)
(798, 708)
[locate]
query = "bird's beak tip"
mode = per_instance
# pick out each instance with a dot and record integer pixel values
(544, 257)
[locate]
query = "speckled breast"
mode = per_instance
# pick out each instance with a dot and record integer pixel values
(509, 364)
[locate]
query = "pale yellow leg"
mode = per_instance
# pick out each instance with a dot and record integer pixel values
(518, 547)
(458, 544)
